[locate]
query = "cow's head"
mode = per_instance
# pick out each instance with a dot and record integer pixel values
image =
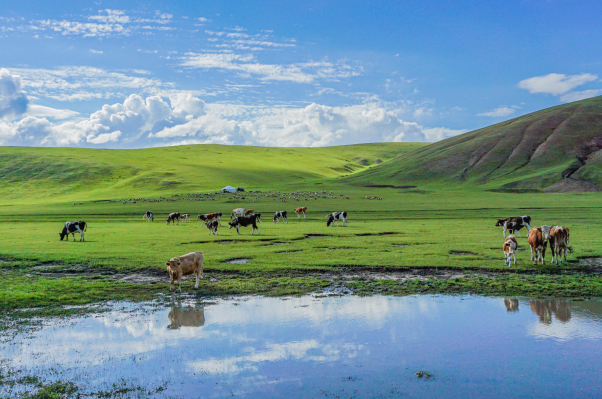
(233, 223)
(173, 267)
(63, 235)
(258, 217)
(330, 220)
(500, 222)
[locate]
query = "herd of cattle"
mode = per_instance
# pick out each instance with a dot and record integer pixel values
(192, 263)
(538, 238)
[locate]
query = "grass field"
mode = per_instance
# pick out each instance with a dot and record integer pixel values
(413, 240)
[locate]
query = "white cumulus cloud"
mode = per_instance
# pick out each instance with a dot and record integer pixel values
(499, 112)
(555, 83)
(580, 95)
(13, 101)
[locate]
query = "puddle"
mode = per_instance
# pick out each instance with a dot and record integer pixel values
(290, 252)
(401, 245)
(461, 253)
(240, 260)
(386, 233)
(312, 346)
(278, 243)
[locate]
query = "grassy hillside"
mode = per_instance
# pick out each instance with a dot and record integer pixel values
(556, 149)
(57, 174)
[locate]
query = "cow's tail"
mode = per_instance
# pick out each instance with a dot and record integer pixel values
(85, 226)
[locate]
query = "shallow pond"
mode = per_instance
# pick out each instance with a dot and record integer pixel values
(324, 347)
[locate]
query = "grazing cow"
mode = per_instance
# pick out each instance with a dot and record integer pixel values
(559, 242)
(538, 245)
(237, 212)
(510, 246)
(185, 217)
(301, 210)
(173, 217)
(72, 228)
(148, 216)
(336, 216)
(212, 226)
(185, 265)
(514, 224)
(278, 215)
(242, 221)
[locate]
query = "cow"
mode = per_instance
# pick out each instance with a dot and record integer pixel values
(280, 215)
(148, 216)
(538, 245)
(173, 217)
(514, 224)
(336, 216)
(242, 221)
(212, 226)
(301, 210)
(237, 212)
(510, 246)
(559, 242)
(183, 266)
(185, 217)
(249, 212)
(72, 228)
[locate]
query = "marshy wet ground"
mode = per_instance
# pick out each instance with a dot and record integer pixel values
(318, 346)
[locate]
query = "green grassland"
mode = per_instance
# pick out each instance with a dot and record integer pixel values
(425, 230)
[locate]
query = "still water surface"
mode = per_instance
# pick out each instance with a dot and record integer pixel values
(326, 347)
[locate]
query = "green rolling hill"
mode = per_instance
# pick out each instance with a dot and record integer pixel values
(555, 149)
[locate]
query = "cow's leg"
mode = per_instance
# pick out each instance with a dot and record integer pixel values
(344, 220)
(518, 232)
(179, 282)
(565, 250)
(514, 255)
(238, 229)
(196, 286)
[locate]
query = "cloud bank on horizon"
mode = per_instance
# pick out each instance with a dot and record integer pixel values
(271, 75)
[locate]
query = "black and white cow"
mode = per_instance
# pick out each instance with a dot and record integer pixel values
(280, 215)
(173, 217)
(514, 224)
(243, 221)
(335, 217)
(212, 226)
(72, 228)
(148, 216)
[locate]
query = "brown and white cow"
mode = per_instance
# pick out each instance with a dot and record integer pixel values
(301, 210)
(185, 217)
(510, 246)
(209, 217)
(538, 245)
(237, 212)
(173, 217)
(559, 242)
(191, 263)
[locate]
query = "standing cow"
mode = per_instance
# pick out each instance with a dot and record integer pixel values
(242, 221)
(212, 226)
(538, 245)
(280, 215)
(510, 246)
(301, 210)
(173, 218)
(514, 224)
(335, 217)
(148, 216)
(559, 242)
(185, 265)
(237, 212)
(72, 228)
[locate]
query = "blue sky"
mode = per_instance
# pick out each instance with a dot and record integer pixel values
(114, 74)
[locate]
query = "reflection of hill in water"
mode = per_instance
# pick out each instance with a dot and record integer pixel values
(186, 317)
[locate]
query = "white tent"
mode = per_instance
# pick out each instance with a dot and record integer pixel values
(228, 189)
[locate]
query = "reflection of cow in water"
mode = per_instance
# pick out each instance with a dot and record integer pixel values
(511, 304)
(544, 308)
(185, 317)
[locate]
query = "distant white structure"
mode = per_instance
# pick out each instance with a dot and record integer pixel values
(228, 189)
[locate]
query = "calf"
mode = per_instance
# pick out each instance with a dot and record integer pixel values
(538, 245)
(72, 228)
(185, 217)
(242, 221)
(237, 212)
(514, 224)
(301, 210)
(173, 217)
(280, 215)
(559, 242)
(185, 265)
(336, 216)
(212, 226)
(510, 246)
(148, 216)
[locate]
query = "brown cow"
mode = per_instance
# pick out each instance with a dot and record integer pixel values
(301, 210)
(559, 242)
(185, 317)
(208, 217)
(538, 245)
(185, 265)
(510, 246)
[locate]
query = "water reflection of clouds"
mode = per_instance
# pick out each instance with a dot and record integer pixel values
(561, 320)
